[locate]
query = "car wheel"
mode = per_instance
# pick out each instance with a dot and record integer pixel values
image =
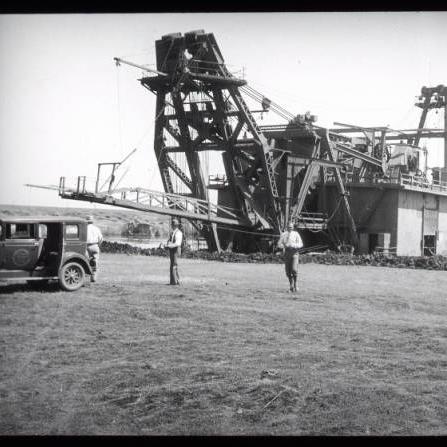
(71, 276)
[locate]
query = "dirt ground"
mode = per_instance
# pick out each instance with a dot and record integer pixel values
(358, 351)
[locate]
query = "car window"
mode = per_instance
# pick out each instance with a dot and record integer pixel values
(72, 231)
(43, 231)
(19, 231)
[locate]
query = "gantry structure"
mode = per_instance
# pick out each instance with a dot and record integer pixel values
(200, 107)
(273, 174)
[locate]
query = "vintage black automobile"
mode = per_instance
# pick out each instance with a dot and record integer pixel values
(40, 249)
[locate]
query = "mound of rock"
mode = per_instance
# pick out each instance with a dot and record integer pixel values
(118, 247)
(379, 260)
(328, 258)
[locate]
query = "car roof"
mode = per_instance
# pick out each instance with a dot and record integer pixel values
(41, 219)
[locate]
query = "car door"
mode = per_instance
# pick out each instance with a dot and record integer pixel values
(74, 238)
(20, 246)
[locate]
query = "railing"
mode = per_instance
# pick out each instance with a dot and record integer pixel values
(385, 250)
(418, 182)
(217, 182)
(214, 69)
(81, 184)
(408, 180)
(155, 201)
(166, 200)
(312, 221)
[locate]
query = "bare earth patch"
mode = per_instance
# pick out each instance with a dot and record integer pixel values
(359, 350)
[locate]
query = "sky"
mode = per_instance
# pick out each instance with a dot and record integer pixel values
(65, 106)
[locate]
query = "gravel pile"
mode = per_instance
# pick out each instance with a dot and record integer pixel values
(328, 258)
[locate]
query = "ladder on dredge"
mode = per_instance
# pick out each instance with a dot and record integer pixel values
(191, 208)
(147, 200)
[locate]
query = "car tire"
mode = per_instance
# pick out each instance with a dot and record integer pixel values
(71, 276)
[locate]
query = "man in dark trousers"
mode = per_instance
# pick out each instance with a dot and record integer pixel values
(290, 241)
(174, 245)
(94, 240)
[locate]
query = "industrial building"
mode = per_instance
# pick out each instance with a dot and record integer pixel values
(402, 219)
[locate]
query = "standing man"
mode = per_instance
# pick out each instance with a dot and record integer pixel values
(174, 245)
(94, 240)
(290, 241)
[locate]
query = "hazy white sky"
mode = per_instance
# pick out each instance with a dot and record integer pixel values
(64, 106)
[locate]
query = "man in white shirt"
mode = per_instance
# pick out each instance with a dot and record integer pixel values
(94, 240)
(174, 245)
(290, 241)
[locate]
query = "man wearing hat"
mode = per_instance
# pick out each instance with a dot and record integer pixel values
(94, 240)
(174, 245)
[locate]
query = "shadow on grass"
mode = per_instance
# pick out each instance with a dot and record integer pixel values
(32, 287)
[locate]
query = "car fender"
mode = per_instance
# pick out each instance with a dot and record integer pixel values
(83, 260)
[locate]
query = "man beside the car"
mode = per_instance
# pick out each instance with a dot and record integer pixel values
(94, 240)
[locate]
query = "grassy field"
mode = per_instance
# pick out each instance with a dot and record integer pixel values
(358, 351)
